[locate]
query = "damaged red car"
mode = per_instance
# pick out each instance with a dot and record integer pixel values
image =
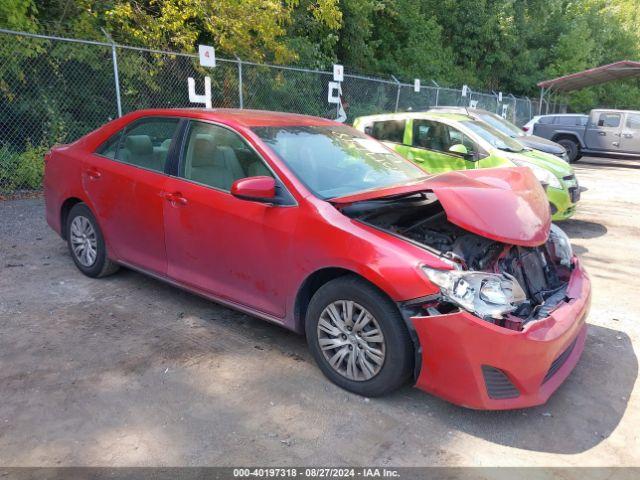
(458, 282)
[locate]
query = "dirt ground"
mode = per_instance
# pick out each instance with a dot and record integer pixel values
(129, 371)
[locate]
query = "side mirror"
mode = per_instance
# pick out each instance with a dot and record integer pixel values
(255, 189)
(459, 149)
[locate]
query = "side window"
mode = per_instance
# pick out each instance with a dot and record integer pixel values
(459, 137)
(217, 157)
(633, 121)
(546, 120)
(609, 120)
(568, 121)
(146, 143)
(438, 136)
(109, 148)
(582, 121)
(388, 131)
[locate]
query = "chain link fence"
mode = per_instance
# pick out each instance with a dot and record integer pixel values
(54, 90)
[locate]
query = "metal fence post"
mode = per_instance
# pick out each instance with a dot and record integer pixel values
(240, 97)
(398, 93)
(116, 77)
(437, 91)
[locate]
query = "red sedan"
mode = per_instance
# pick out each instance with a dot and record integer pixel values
(457, 282)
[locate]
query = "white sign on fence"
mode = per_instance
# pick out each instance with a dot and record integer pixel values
(416, 85)
(207, 56)
(338, 73)
(473, 104)
(465, 89)
(505, 109)
(194, 97)
(335, 90)
(500, 96)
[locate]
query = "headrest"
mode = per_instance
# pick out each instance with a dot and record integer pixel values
(204, 150)
(139, 144)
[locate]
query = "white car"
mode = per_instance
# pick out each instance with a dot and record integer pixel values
(527, 128)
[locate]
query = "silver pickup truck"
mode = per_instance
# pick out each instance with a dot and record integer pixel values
(607, 132)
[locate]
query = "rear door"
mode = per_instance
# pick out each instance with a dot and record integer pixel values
(123, 180)
(231, 248)
(630, 140)
(604, 131)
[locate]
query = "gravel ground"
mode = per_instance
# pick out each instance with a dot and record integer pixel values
(130, 371)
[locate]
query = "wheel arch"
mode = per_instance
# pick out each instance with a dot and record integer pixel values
(66, 207)
(312, 284)
(568, 136)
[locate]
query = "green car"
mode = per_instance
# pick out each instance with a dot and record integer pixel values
(440, 142)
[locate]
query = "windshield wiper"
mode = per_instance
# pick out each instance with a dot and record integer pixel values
(509, 149)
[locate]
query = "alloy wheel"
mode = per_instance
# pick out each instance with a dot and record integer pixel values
(84, 243)
(351, 340)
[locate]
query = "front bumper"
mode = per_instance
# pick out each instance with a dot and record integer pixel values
(562, 201)
(458, 349)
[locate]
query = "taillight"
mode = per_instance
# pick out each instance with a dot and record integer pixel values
(525, 129)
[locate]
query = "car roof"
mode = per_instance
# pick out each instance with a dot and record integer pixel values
(419, 115)
(614, 110)
(564, 115)
(242, 117)
(462, 110)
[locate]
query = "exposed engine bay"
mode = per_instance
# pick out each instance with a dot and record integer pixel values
(542, 272)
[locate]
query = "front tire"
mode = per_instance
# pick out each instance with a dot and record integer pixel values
(572, 148)
(86, 243)
(358, 337)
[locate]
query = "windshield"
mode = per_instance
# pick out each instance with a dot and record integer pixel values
(496, 138)
(501, 125)
(334, 161)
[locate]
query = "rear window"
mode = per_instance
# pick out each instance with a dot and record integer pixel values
(633, 121)
(388, 131)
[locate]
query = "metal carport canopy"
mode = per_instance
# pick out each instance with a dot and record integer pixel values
(593, 76)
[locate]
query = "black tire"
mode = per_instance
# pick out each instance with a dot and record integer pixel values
(101, 266)
(398, 359)
(572, 148)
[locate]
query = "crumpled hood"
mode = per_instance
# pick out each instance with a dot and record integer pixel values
(504, 204)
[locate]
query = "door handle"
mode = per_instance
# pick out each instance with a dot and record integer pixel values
(93, 174)
(602, 134)
(175, 198)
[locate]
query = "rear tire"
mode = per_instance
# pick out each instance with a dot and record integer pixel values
(371, 354)
(572, 148)
(86, 243)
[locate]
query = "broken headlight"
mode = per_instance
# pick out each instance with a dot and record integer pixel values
(488, 295)
(561, 245)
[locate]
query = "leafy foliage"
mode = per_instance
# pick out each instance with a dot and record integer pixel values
(507, 45)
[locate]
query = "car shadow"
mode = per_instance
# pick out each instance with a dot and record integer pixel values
(583, 229)
(583, 412)
(611, 162)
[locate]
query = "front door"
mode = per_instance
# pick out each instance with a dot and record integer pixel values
(231, 248)
(630, 140)
(430, 142)
(123, 180)
(603, 131)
